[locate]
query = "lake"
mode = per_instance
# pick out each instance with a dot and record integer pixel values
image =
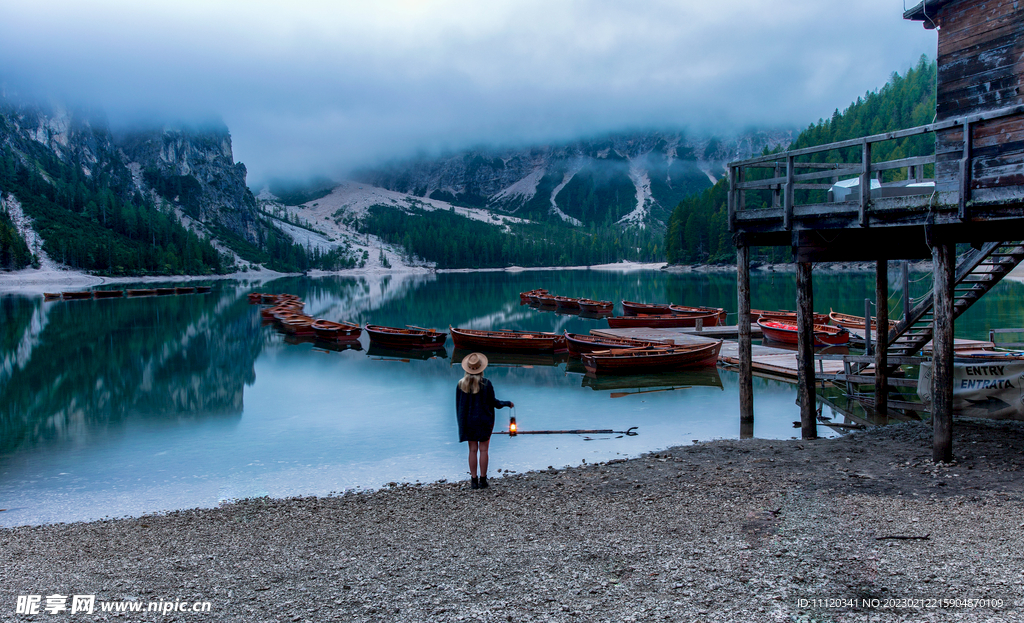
(132, 406)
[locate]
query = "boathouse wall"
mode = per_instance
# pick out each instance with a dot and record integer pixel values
(980, 62)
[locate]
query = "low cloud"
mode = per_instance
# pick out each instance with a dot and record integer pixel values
(321, 87)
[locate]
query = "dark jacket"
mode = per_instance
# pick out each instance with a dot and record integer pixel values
(475, 412)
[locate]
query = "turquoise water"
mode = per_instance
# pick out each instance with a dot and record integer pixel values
(131, 406)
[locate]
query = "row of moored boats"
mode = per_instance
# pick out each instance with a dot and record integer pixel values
(116, 294)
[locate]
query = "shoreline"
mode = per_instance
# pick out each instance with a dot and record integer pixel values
(725, 530)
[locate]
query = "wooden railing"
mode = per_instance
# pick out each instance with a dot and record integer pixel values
(790, 175)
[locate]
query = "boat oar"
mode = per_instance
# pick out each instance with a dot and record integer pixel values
(648, 391)
(409, 326)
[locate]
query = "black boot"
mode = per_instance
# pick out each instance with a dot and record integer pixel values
(483, 482)
(475, 484)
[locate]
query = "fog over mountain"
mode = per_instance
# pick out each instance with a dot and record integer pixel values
(319, 88)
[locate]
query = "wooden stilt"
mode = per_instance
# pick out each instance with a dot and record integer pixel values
(944, 264)
(881, 335)
(805, 351)
(746, 373)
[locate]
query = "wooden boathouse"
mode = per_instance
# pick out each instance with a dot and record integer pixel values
(969, 189)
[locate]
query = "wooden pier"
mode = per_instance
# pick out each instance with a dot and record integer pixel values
(976, 197)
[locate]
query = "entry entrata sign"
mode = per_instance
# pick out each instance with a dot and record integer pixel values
(990, 388)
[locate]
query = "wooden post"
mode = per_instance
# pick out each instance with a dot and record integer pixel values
(746, 380)
(733, 199)
(881, 336)
(867, 326)
(776, 198)
(943, 260)
(906, 289)
(805, 351)
(865, 183)
(787, 196)
(965, 173)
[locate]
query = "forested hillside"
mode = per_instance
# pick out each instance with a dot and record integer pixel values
(454, 241)
(698, 229)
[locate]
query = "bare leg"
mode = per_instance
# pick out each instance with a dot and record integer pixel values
(484, 447)
(472, 459)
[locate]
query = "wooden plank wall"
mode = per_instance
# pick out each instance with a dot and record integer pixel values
(980, 64)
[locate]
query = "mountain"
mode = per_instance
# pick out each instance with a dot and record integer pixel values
(629, 179)
(155, 200)
(698, 227)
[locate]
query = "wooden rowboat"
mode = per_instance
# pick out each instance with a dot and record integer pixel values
(74, 296)
(596, 307)
(143, 292)
(164, 291)
(786, 333)
(785, 316)
(108, 294)
(524, 297)
(656, 359)
(579, 344)
(255, 298)
(567, 303)
(203, 289)
(328, 330)
(683, 310)
(508, 341)
(185, 290)
(855, 322)
(51, 296)
(629, 308)
(298, 324)
(662, 321)
(411, 337)
(545, 300)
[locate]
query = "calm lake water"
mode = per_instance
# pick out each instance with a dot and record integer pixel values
(131, 406)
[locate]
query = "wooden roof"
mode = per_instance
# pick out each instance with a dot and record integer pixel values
(926, 10)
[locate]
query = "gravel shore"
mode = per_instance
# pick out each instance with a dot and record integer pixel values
(720, 531)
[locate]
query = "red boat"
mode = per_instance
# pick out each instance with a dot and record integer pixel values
(567, 303)
(824, 335)
(545, 300)
(328, 330)
(596, 307)
(412, 337)
(785, 316)
(203, 289)
(629, 308)
(185, 290)
(662, 321)
(855, 322)
(108, 294)
(683, 310)
(524, 297)
(83, 294)
(164, 291)
(508, 341)
(581, 344)
(649, 360)
(298, 324)
(143, 293)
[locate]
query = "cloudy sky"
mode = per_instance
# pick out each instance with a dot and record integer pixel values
(317, 87)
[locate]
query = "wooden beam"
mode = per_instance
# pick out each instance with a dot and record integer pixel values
(787, 197)
(881, 344)
(746, 380)
(805, 351)
(733, 192)
(944, 265)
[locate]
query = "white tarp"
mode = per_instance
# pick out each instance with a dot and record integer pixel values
(985, 388)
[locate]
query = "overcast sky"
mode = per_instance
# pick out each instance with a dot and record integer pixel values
(318, 87)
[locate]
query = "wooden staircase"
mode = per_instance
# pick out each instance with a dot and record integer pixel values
(977, 273)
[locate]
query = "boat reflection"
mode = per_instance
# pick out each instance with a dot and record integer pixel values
(395, 354)
(704, 377)
(330, 345)
(513, 360)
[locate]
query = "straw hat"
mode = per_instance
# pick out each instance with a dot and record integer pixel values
(475, 363)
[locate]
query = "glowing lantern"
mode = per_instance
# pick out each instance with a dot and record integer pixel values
(512, 426)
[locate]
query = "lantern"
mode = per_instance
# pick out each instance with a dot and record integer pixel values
(512, 426)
